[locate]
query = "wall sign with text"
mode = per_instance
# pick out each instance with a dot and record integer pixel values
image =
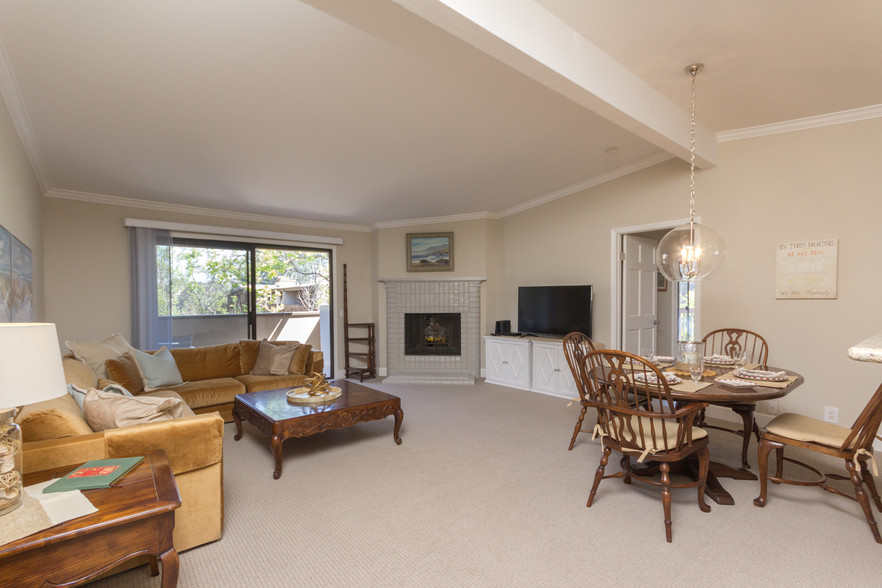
(806, 269)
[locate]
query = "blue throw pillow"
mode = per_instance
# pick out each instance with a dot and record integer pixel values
(79, 395)
(158, 370)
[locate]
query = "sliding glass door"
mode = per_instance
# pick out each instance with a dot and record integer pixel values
(207, 292)
(220, 292)
(291, 285)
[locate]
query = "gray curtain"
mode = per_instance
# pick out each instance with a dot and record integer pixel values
(151, 270)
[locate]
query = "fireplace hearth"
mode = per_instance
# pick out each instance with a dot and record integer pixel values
(432, 333)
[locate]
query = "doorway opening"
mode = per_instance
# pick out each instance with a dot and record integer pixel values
(649, 314)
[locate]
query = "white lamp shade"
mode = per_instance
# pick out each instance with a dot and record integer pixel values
(30, 364)
(684, 258)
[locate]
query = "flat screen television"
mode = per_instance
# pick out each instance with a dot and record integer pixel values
(554, 310)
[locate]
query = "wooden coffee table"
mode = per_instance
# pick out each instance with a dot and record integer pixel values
(136, 517)
(279, 419)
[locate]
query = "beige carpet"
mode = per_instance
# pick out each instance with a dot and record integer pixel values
(483, 492)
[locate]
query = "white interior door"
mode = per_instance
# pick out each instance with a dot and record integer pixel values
(639, 305)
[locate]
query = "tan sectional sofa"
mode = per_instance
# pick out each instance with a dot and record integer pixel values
(56, 433)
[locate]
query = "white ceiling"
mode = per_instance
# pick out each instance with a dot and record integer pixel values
(380, 111)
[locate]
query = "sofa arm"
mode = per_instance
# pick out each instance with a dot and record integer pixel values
(191, 442)
(65, 451)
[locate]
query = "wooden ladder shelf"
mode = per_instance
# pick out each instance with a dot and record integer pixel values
(363, 361)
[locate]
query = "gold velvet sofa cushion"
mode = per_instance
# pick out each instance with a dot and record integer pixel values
(208, 363)
(52, 419)
(254, 383)
(78, 373)
(201, 393)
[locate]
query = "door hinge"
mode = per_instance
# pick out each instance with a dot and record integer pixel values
(622, 256)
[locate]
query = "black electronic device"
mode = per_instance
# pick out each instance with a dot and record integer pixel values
(555, 310)
(502, 328)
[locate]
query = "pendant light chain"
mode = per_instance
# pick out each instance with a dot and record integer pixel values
(694, 71)
(690, 252)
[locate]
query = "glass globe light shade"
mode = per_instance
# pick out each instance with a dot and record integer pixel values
(681, 258)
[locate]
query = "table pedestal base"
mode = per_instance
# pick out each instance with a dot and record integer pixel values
(713, 488)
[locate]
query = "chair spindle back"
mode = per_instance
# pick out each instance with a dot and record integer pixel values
(733, 342)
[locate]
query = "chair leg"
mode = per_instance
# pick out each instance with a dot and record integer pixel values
(765, 446)
(578, 426)
(871, 485)
(598, 476)
(665, 468)
(779, 462)
(863, 499)
(703, 465)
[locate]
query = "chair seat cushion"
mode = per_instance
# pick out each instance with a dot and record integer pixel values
(803, 428)
(661, 439)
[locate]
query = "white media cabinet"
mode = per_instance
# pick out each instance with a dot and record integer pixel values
(529, 363)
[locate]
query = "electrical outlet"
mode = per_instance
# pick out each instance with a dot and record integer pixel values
(772, 407)
(831, 414)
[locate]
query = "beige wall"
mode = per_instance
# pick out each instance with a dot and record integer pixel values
(21, 201)
(88, 291)
(813, 184)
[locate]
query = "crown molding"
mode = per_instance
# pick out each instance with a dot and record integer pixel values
(432, 220)
(198, 210)
(801, 124)
(22, 122)
(589, 183)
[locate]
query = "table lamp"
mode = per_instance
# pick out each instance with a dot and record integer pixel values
(30, 372)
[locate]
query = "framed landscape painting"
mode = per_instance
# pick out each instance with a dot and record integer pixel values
(21, 300)
(429, 252)
(5, 275)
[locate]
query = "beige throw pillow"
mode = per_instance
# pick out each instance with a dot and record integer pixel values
(95, 353)
(106, 410)
(273, 360)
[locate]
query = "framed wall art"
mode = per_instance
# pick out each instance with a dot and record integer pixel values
(661, 284)
(807, 269)
(16, 280)
(429, 252)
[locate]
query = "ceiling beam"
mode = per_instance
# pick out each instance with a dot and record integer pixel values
(530, 39)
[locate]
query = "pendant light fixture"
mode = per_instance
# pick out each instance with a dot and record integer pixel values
(691, 252)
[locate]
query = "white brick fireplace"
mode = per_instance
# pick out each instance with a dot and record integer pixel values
(407, 296)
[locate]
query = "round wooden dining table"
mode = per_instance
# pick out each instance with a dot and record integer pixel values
(743, 401)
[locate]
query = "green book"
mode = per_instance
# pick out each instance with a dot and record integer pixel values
(98, 473)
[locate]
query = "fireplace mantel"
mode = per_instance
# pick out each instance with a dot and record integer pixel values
(435, 295)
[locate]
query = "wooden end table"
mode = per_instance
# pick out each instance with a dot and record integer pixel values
(279, 419)
(135, 517)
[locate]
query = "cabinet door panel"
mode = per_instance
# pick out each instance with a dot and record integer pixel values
(545, 369)
(495, 360)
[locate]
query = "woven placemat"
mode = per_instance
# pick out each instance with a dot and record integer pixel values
(23, 521)
(689, 386)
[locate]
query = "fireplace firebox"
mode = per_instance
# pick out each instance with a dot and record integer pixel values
(437, 333)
